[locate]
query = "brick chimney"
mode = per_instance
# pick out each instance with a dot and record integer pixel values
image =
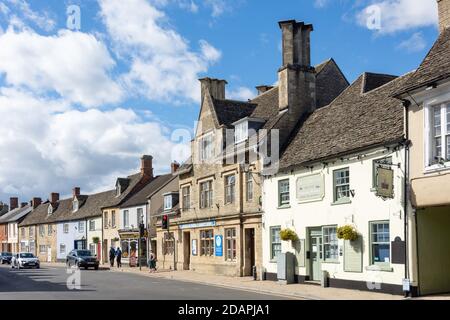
(174, 166)
(263, 88)
(215, 87)
(75, 192)
(54, 197)
(147, 166)
(297, 79)
(13, 203)
(36, 202)
(444, 14)
(23, 204)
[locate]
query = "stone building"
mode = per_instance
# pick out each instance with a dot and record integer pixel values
(219, 227)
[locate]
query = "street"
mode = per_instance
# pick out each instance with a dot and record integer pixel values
(49, 283)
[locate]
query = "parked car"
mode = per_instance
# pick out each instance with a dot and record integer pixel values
(25, 260)
(82, 259)
(5, 257)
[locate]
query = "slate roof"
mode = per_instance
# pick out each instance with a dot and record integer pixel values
(435, 66)
(354, 120)
(229, 111)
(131, 181)
(140, 197)
(16, 214)
(92, 207)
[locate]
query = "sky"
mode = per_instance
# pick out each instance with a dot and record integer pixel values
(87, 86)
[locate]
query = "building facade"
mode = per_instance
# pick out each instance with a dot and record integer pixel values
(426, 97)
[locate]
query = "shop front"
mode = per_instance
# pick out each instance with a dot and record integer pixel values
(132, 249)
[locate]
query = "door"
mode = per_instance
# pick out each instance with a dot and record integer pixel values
(105, 251)
(249, 251)
(186, 250)
(315, 254)
(49, 254)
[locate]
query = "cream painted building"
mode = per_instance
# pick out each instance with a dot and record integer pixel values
(427, 102)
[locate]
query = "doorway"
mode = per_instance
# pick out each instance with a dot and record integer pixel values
(49, 254)
(186, 250)
(105, 251)
(315, 253)
(249, 251)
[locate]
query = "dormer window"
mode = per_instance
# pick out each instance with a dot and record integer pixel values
(241, 132)
(170, 200)
(50, 210)
(118, 190)
(75, 205)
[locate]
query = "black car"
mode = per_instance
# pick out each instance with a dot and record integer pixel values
(82, 259)
(5, 257)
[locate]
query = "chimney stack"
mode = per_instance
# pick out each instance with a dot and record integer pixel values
(174, 166)
(147, 166)
(263, 88)
(75, 192)
(297, 78)
(23, 204)
(444, 14)
(36, 202)
(215, 87)
(54, 197)
(13, 203)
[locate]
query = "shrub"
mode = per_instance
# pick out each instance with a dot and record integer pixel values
(347, 232)
(288, 234)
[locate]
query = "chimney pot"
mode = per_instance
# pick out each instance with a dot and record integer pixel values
(13, 203)
(147, 166)
(75, 192)
(263, 88)
(174, 166)
(36, 202)
(444, 14)
(54, 197)
(215, 87)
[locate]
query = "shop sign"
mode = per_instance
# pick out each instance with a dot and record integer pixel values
(385, 185)
(198, 225)
(310, 188)
(218, 243)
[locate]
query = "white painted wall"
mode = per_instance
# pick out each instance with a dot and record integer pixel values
(133, 217)
(69, 238)
(13, 235)
(364, 207)
(96, 232)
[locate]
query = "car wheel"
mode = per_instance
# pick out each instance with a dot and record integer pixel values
(96, 267)
(38, 267)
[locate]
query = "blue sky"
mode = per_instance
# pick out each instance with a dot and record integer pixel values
(81, 106)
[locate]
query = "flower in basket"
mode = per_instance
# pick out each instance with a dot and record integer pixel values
(288, 234)
(347, 232)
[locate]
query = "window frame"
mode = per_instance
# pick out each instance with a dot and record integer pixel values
(81, 226)
(372, 262)
(331, 242)
(105, 219)
(249, 186)
(336, 186)
(41, 230)
(207, 243)
(240, 132)
(230, 244)
(49, 230)
(206, 196)
(186, 196)
(230, 189)
(126, 219)
(92, 225)
(168, 202)
(273, 257)
(284, 203)
(113, 218)
(206, 150)
(65, 228)
(430, 136)
(62, 245)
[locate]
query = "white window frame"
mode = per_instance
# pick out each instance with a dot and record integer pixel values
(168, 202)
(80, 226)
(330, 240)
(65, 228)
(62, 249)
(140, 216)
(207, 198)
(186, 194)
(429, 105)
(75, 205)
(92, 225)
(230, 189)
(281, 202)
(126, 219)
(273, 243)
(241, 132)
(249, 186)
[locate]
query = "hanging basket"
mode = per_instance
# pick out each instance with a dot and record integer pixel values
(288, 235)
(347, 232)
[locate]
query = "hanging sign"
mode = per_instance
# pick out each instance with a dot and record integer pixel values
(385, 184)
(310, 188)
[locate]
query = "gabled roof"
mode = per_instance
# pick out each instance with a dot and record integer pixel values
(353, 121)
(130, 182)
(229, 111)
(140, 198)
(16, 214)
(92, 206)
(435, 66)
(40, 215)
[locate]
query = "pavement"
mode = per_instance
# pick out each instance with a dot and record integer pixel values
(50, 283)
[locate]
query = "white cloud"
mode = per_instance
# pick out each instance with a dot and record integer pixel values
(399, 15)
(320, 3)
(46, 146)
(75, 65)
(241, 93)
(218, 7)
(163, 66)
(41, 19)
(415, 43)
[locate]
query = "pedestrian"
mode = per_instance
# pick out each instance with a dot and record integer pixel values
(119, 257)
(112, 255)
(152, 262)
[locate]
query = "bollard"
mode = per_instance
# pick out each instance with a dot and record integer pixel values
(254, 273)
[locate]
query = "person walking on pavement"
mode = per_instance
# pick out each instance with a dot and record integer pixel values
(152, 262)
(112, 256)
(119, 257)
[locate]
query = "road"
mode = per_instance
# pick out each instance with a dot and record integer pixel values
(49, 283)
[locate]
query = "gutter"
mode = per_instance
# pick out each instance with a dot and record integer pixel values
(406, 104)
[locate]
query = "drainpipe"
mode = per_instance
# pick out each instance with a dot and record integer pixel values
(406, 104)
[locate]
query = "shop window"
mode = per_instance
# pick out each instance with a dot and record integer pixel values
(168, 244)
(207, 242)
(330, 244)
(380, 243)
(230, 242)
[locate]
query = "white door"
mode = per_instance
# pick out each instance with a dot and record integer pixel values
(49, 254)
